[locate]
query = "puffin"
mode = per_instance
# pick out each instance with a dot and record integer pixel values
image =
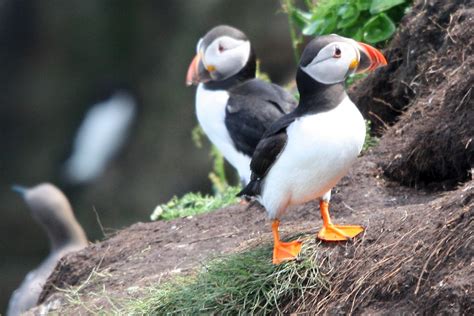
(101, 135)
(303, 155)
(51, 209)
(233, 107)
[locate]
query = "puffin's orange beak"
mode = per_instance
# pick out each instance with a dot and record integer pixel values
(192, 75)
(197, 72)
(370, 58)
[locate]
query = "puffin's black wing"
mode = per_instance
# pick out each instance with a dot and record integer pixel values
(251, 109)
(268, 150)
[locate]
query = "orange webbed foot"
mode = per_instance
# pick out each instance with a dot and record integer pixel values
(331, 232)
(285, 251)
(339, 232)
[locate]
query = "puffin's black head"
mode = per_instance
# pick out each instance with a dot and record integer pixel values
(331, 58)
(222, 53)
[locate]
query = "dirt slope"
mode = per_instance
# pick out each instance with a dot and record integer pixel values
(431, 76)
(146, 252)
(417, 253)
(404, 227)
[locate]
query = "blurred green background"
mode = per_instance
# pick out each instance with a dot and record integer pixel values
(54, 58)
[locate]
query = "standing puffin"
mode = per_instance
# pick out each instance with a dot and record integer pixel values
(233, 107)
(306, 152)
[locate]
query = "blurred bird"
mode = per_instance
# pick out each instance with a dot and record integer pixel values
(233, 107)
(100, 136)
(305, 153)
(51, 209)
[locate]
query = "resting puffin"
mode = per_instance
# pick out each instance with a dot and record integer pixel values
(233, 107)
(306, 152)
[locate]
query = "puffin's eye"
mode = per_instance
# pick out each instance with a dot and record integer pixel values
(337, 52)
(221, 48)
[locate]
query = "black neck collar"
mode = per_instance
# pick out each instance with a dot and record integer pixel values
(317, 97)
(246, 73)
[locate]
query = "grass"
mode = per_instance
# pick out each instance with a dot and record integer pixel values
(92, 299)
(241, 283)
(195, 203)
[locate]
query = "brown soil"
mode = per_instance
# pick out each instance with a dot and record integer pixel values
(416, 258)
(430, 75)
(416, 255)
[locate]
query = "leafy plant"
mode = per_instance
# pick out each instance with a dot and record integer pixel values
(371, 21)
(194, 203)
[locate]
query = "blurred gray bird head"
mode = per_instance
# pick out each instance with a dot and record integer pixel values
(50, 207)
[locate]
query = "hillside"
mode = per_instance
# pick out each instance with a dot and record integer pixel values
(413, 192)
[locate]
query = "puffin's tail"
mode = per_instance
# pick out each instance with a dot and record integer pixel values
(251, 189)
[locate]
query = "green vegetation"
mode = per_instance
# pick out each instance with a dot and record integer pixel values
(370, 141)
(370, 21)
(217, 175)
(195, 203)
(245, 282)
(196, 135)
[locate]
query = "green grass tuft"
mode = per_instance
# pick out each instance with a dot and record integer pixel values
(245, 282)
(195, 203)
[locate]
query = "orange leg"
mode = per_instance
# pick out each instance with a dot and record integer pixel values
(331, 232)
(283, 251)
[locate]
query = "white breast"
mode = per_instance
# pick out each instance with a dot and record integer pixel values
(319, 151)
(210, 111)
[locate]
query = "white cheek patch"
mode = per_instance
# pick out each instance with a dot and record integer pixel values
(327, 69)
(232, 59)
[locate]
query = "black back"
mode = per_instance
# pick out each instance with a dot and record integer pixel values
(252, 108)
(267, 152)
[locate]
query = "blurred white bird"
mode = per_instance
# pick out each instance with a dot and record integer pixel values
(101, 135)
